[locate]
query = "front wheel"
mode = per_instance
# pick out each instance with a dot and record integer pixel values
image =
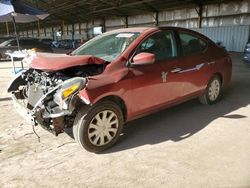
(99, 127)
(213, 91)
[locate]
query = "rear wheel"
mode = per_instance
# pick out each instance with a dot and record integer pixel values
(99, 127)
(213, 91)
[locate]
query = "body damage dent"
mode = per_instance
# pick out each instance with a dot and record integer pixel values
(42, 111)
(106, 79)
(55, 62)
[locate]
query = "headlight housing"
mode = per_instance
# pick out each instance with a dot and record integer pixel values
(68, 89)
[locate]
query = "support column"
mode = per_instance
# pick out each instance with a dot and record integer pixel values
(7, 29)
(53, 34)
(38, 27)
(80, 30)
(156, 19)
(87, 30)
(103, 25)
(73, 31)
(126, 21)
(62, 30)
(44, 30)
(199, 12)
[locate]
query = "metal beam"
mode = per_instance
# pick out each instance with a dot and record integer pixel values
(123, 6)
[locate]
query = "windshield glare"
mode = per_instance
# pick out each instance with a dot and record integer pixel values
(107, 47)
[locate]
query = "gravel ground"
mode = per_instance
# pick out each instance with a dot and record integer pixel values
(190, 145)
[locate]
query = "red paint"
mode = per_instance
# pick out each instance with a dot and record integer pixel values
(54, 62)
(144, 58)
(142, 88)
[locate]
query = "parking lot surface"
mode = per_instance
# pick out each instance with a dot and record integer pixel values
(190, 145)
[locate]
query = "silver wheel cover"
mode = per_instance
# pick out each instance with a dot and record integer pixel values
(214, 90)
(103, 128)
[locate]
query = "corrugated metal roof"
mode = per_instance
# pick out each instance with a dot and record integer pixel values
(87, 10)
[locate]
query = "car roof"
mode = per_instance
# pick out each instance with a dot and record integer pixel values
(152, 29)
(143, 29)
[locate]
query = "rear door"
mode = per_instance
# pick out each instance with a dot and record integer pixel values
(197, 69)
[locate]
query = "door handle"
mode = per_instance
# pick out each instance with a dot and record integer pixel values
(211, 62)
(176, 70)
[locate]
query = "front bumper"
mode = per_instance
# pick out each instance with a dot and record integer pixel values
(33, 117)
(45, 109)
(39, 116)
(23, 111)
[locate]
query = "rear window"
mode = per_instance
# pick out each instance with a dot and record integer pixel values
(191, 44)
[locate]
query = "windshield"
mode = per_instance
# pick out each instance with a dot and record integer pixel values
(107, 47)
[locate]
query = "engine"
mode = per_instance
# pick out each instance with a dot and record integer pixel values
(39, 83)
(50, 98)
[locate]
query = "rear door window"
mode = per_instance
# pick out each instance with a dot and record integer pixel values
(191, 44)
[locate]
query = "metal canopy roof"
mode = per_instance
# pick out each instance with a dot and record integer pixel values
(86, 10)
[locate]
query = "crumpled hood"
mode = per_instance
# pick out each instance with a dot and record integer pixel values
(54, 62)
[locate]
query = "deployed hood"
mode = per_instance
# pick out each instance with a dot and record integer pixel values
(54, 62)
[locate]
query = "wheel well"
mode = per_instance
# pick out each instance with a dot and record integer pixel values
(220, 76)
(119, 102)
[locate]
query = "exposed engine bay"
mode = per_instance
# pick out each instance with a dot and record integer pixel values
(50, 97)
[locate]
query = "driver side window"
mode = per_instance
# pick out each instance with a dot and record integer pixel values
(161, 44)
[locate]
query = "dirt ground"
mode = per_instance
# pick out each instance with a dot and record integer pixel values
(190, 145)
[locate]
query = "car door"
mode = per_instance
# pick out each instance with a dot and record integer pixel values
(197, 69)
(152, 84)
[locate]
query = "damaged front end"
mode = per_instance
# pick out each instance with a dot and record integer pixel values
(47, 98)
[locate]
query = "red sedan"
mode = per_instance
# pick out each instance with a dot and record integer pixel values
(117, 77)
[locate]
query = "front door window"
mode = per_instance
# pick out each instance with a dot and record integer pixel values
(161, 44)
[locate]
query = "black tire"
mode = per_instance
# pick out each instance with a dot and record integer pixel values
(207, 97)
(86, 118)
(80, 115)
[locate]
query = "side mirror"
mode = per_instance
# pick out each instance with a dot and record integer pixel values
(143, 58)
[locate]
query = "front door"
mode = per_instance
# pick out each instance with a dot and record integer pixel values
(156, 84)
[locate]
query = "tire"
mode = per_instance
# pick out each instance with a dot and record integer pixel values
(212, 92)
(79, 117)
(99, 127)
